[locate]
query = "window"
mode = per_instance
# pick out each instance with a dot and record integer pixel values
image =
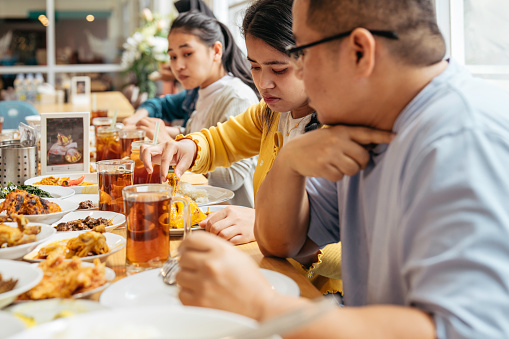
(477, 33)
(61, 38)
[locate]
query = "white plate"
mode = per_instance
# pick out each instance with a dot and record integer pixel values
(118, 219)
(89, 177)
(17, 252)
(115, 243)
(42, 311)
(57, 192)
(10, 325)
(109, 275)
(183, 322)
(65, 206)
(27, 275)
(147, 289)
(180, 231)
(77, 198)
(216, 195)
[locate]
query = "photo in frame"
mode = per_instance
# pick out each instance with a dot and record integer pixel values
(80, 90)
(65, 144)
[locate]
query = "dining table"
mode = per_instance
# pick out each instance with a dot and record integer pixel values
(116, 262)
(111, 101)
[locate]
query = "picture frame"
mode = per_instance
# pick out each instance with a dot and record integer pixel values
(65, 144)
(80, 90)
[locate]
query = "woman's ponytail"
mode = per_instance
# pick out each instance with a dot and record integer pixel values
(234, 60)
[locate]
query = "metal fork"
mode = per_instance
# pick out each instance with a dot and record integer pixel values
(171, 266)
(169, 270)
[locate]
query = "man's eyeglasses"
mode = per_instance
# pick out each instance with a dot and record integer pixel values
(295, 52)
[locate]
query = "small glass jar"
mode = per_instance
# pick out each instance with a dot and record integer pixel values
(141, 175)
(108, 143)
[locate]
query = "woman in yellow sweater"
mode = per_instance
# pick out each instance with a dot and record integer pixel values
(262, 130)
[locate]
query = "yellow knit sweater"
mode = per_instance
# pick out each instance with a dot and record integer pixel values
(244, 136)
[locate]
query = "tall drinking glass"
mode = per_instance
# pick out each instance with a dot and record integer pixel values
(98, 113)
(108, 143)
(114, 175)
(141, 175)
(127, 136)
(148, 216)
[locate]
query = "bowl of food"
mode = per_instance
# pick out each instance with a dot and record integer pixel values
(35, 209)
(81, 183)
(15, 242)
(16, 278)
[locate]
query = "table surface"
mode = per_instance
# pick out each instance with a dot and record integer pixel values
(116, 262)
(105, 100)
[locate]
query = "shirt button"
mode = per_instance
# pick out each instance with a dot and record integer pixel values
(261, 162)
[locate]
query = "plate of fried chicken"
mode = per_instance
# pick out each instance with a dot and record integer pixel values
(19, 238)
(34, 208)
(85, 245)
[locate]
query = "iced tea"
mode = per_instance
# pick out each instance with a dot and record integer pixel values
(148, 231)
(141, 175)
(114, 175)
(108, 144)
(98, 113)
(148, 216)
(127, 137)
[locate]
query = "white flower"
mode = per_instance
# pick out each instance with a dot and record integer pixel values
(147, 14)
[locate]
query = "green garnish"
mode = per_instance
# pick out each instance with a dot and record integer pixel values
(10, 187)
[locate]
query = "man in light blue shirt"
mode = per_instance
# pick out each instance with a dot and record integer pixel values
(426, 223)
(423, 220)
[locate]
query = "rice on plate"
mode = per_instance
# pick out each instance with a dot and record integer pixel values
(197, 194)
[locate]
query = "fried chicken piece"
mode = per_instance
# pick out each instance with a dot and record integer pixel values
(32, 230)
(99, 228)
(177, 213)
(9, 235)
(26, 240)
(22, 221)
(89, 243)
(55, 248)
(21, 202)
(62, 278)
(173, 180)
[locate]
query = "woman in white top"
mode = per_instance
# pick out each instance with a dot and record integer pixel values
(203, 54)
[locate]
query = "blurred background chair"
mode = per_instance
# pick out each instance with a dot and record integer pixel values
(15, 112)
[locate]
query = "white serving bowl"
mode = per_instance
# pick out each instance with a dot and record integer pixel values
(27, 275)
(43, 311)
(17, 252)
(89, 177)
(65, 206)
(144, 322)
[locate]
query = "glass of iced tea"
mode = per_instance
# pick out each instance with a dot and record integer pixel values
(148, 216)
(98, 113)
(114, 175)
(141, 175)
(108, 143)
(127, 136)
(101, 122)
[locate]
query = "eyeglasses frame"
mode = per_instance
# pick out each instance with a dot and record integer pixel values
(295, 52)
